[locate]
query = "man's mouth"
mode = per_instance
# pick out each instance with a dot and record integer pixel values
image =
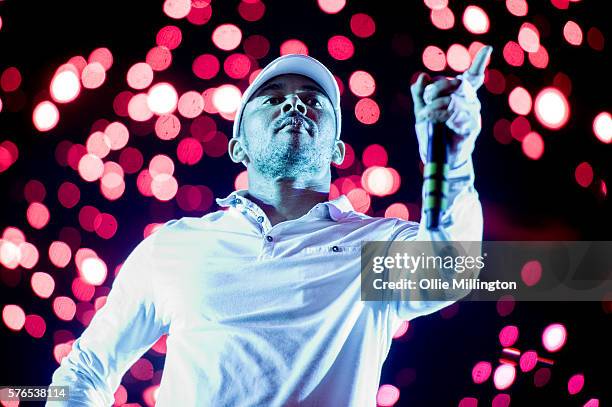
(294, 124)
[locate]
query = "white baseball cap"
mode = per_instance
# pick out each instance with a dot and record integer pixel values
(294, 64)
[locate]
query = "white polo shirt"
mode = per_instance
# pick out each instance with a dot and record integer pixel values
(256, 315)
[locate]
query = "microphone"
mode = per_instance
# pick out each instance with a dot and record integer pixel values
(435, 173)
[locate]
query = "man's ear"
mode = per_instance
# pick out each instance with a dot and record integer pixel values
(236, 151)
(339, 151)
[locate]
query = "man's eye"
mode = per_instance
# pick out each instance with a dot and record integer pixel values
(274, 100)
(314, 102)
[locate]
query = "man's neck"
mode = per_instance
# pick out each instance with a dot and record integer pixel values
(286, 198)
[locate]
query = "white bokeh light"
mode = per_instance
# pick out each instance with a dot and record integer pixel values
(93, 270)
(602, 127)
(552, 108)
(475, 20)
(226, 98)
(65, 85)
(45, 116)
(162, 98)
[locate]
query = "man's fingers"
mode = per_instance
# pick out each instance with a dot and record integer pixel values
(417, 89)
(437, 110)
(475, 74)
(442, 87)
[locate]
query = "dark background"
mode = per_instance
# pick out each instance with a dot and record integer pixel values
(522, 199)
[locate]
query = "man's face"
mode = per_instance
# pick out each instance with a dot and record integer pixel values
(288, 128)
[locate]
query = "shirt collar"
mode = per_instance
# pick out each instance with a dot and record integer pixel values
(335, 209)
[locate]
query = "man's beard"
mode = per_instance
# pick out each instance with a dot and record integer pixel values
(289, 160)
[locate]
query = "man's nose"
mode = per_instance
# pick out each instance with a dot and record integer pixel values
(294, 103)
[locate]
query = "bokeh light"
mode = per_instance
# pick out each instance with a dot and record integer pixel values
(387, 395)
(504, 376)
(533, 145)
(45, 116)
(140, 75)
(362, 83)
(475, 20)
(602, 127)
(65, 85)
(227, 37)
(226, 98)
(519, 100)
(367, 111)
(552, 108)
(331, 6)
(572, 33)
(554, 337)
(162, 98)
(434, 58)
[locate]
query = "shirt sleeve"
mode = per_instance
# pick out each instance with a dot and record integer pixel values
(119, 333)
(461, 222)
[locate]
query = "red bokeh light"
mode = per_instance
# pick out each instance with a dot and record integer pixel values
(375, 155)
(38, 215)
(191, 104)
(481, 372)
(93, 75)
(256, 46)
(10, 80)
(367, 111)
(362, 25)
(68, 194)
(206, 66)
(518, 8)
(64, 308)
(169, 36)
(584, 174)
(444, 19)
(189, 151)
(434, 58)
(397, 210)
(42, 284)
(159, 58)
(575, 384)
(59, 254)
(251, 10)
(340, 47)
(199, 15)
(533, 145)
(103, 56)
(508, 335)
(387, 395)
(513, 54)
(35, 325)
(167, 126)
(540, 58)
(293, 46)
(237, 66)
(572, 33)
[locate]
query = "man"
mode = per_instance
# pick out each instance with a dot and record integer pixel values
(261, 301)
